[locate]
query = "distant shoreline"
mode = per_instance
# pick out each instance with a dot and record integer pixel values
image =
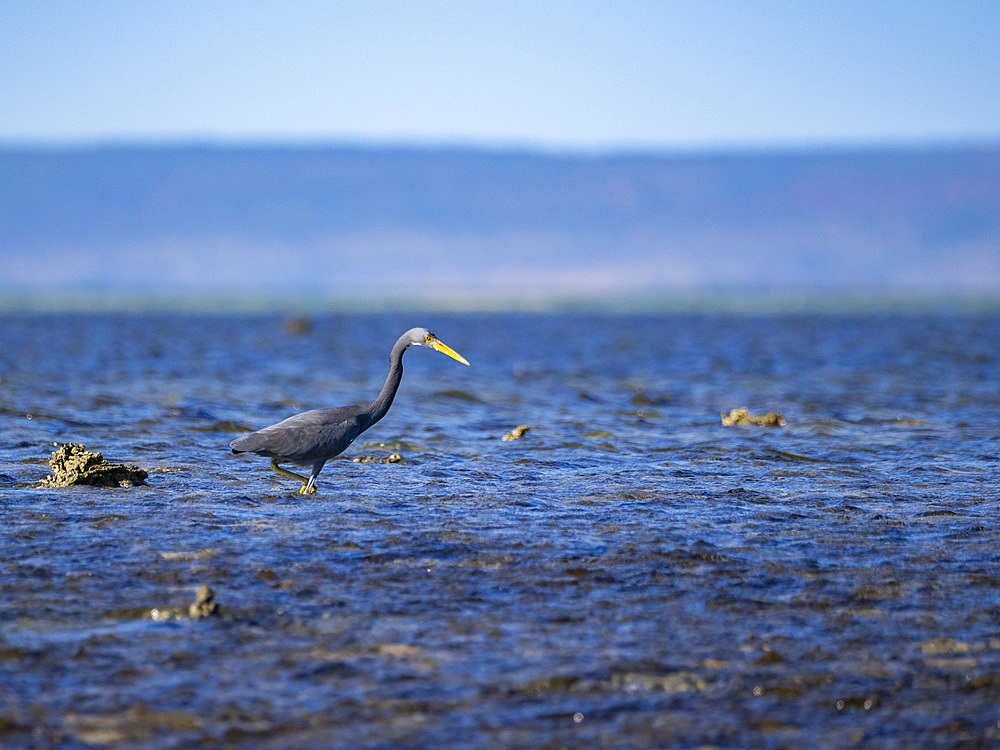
(478, 229)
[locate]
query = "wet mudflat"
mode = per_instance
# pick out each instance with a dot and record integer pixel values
(627, 572)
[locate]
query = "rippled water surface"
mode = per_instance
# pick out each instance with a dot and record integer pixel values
(629, 573)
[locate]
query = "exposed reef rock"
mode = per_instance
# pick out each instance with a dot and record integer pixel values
(204, 604)
(298, 325)
(743, 416)
(516, 433)
(72, 463)
(392, 458)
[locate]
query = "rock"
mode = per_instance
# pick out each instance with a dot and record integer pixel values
(743, 416)
(72, 463)
(392, 458)
(204, 603)
(298, 325)
(516, 433)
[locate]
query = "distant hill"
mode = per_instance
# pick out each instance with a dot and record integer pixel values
(371, 221)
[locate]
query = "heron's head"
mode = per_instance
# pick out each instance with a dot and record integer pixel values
(423, 337)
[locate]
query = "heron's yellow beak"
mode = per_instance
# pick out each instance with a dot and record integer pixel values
(439, 346)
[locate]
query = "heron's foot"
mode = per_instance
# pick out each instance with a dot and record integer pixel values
(306, 489)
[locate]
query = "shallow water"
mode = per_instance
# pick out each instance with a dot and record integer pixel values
(628, 573)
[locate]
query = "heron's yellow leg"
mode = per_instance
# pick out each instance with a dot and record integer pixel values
(287, 473)
(306, 489)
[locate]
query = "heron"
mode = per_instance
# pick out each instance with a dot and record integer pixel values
(314, 437)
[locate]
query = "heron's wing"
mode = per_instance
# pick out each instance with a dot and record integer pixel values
(306, 437)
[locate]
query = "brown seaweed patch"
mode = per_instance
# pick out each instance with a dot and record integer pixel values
(559, 683)
(683, 681)
(137, 723)
(742, 416)
(72, 463)
(458, 394)
(516, 433)
(222, 426)
(397, 649)
(943, 645)
(207, 553)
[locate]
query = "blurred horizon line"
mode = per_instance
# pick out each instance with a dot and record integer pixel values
(513, 146)
(722, 300)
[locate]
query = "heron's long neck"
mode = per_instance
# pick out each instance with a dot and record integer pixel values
(377, 408)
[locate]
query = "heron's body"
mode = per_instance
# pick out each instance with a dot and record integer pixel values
(314, 437)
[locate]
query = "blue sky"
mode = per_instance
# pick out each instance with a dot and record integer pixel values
(562, 75)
